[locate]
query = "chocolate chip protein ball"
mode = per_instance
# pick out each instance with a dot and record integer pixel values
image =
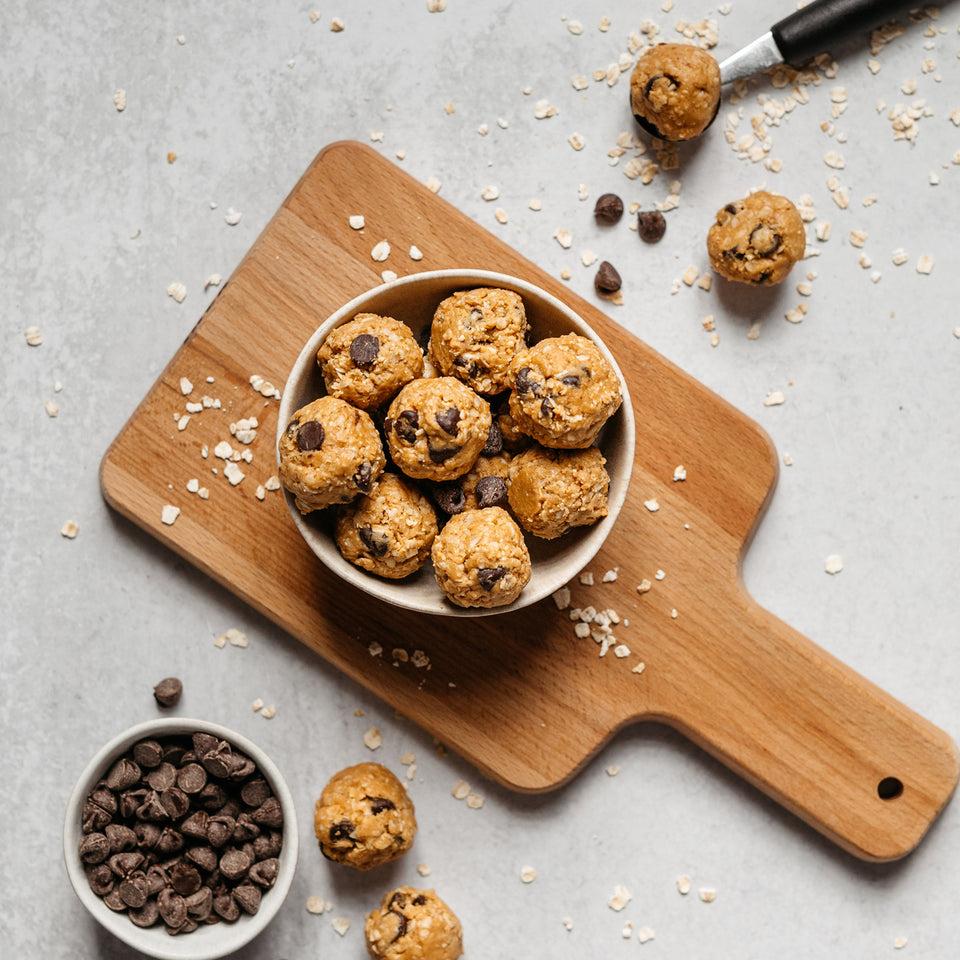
(364, 817)
(413, 924)
(675, 91)
(435, 429)
(485, 485)
(480, 559)
(368, 359)
(329, 453)
(475, 334)
(756, 240)
(552, 491)
(564, 390)
(389, 531)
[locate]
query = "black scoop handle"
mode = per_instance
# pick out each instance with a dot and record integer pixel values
(814, 28)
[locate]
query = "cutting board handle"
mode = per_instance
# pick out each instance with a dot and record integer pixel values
(838, 751)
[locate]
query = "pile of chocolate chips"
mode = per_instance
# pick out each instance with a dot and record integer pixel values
(183, 831)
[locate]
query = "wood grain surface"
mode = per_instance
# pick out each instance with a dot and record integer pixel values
(519, 695)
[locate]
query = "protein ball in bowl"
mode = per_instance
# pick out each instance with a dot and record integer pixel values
(480, 559)
(368, 359)
(412, 924)
(329, 452)
(564, 391)
(364, 817)
(436, 428)
(675, 91)
(552, 491)
(475, 335)
(756, 240)
(388, 532)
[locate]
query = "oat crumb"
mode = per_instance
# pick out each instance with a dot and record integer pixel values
(899, 943)
(774, 399)
(612, 770)
(373, 738)
(683, 884)
(561, 598)
(315, 905)
(707, 894)
(620, 898)
(461, 790)
(69, 530)
(833, 563)
(269, 712)
(644, 586)
(586, 578)
(423, 870)
(340, 924)
(169, 514)
(644, 934)
(651, 505)
(610, 576)
(528, 874)
(257, 705)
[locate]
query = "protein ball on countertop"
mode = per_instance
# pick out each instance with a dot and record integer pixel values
(756, 240)
(564, 390)
(480, 559)
(368, 359)
(329, 453)
(413, 924)
(364, 817)
(675, 91)
(475, 334)
(388, 532)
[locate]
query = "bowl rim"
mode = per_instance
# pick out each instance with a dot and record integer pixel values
(387, 590)
(154, 941)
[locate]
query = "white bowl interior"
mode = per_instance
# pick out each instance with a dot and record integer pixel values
(413, 299)
(207, 941)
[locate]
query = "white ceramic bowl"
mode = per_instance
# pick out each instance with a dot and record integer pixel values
(413, 300)
(207, 941)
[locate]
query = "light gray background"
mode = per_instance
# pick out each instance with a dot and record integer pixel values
(870, 421)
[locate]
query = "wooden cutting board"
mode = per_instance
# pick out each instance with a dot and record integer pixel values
(518, 694)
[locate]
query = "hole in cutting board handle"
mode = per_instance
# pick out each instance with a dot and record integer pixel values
(889, 788)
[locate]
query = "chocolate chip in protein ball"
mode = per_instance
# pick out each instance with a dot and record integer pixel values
(607, 279)
(379, 804)
(765, 240)
(449, 496)
(406, 424)
(310, 436)
(488, 576)
(363, 478)
(608, 209)
(439, 454)
(491, 491)
(448, 419)
(651, 225)
(375, 541)
(525, 383)
(494, 444)
(571, 380)
(469, 367)
(364, 349)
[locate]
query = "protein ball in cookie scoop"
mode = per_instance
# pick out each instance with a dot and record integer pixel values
(388, 532)
(564, 390)
(413, 924)
(756, 240)
(552, 491)
(475, 334)
(675, 91)
(368, 359)
(480, 559)
(329, 453)
(364, 817)
(436, 428)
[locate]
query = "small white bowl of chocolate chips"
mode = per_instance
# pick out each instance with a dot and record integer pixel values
(456, 442)
(180, 838)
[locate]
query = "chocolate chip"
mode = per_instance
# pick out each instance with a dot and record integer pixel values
(152, 809)
(162, 777)
(419, 900)
(607, 279)
(196, 825)
(167, 692)
(449, 497)
(764, 240)
(310, 436)
(122, 775)
(401, 925)
(123, 864)
(341, 831)
(94, 848)
(241, 767)
(169, 842)
(608, 208)
(490, 492)
(546, 408)
(363, 477)
(145, 916)
(175, 802)
(121, 837)
(113, 901)
(133, 890)
(245, 829)
(731, 208)
(268, 844)
(405, 425)
(218, 760)
(94, 817)
(265, 873)
(376, 542)
(399, 899)
(220, 829)
(448, 419)
(651, 225)
(147, 834)
(212, 797)
(379, 804)
(100, 878)
(254, 792)
(200, 904)
(469, 367)
(364, 349)
(570, 381)
(225, 906)
(439, 454)
(525, 384)
(172, 908)
(204, 857)
(130, 802)
(148, 753)
(494, 442)
(269, 813)
(234, 863)
(488, 576)
(184, 878)
(248, 896)
(191, 778)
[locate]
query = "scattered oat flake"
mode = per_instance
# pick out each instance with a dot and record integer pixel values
(33, 336)
(561, 598)
(315, 905)
(707, 894)
(340, 924)
(177, 290)
(690, 275)
(336, 25)
(900, 256)
(51, 408)
(356, 221)
(774, 399)
(374, 649)
(621, 897)
(680, 473)
(461, 790)
(535, 204)
(269, 713)
(233, 217)
(415, 253)
(833, 563)
(586, 578)
(233, 473)
(432, 184)
(372, 739)
(651, 505)
(576, 141)
(612, 770)
(644, 586)
(490, 193)
(474, 801)
(212, 281)
(563, 237)
(610, 575)
(567, 923)
(925, 264)
(381, 251)
(256, 706)
(169, 514)
(899, 943)
(621, 650)
(500, 215)
(528, 874)
(70, 529)
(683, 884)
